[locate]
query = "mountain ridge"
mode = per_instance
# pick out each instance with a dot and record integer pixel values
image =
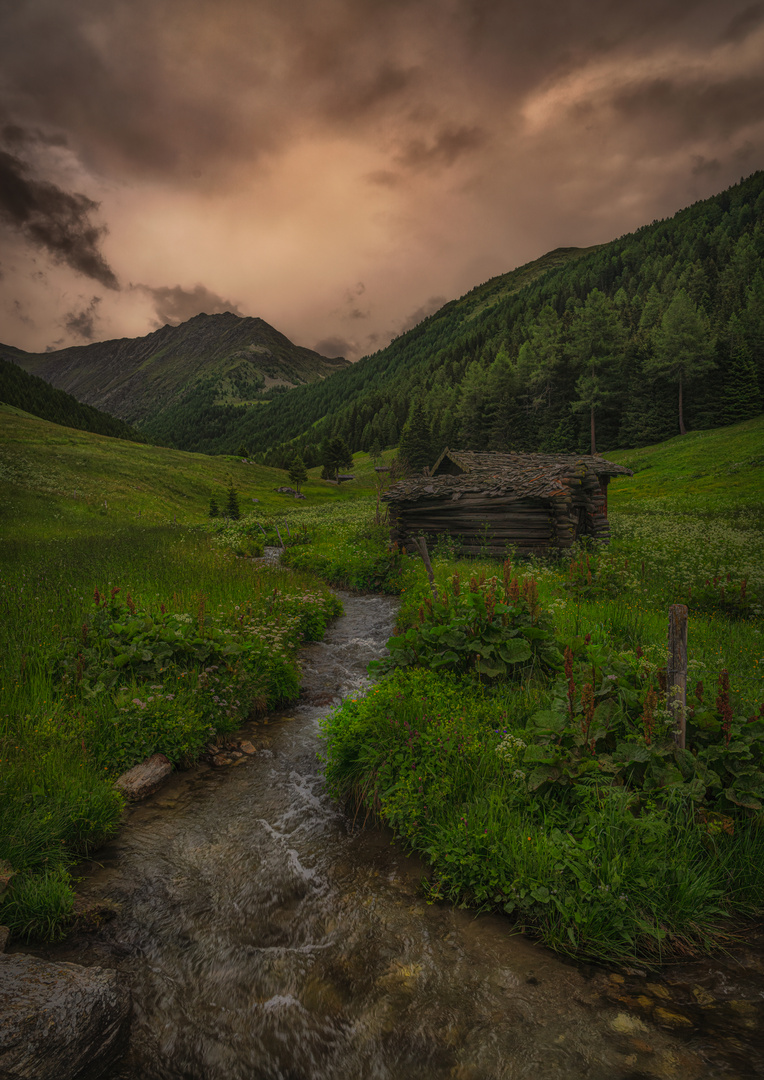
(235, 358)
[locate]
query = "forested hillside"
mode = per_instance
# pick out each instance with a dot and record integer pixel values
(179, 381)
(526, 360)
(35, 396)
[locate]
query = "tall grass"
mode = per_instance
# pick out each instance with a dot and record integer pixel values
(61, 743)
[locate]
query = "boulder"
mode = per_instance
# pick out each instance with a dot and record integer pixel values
(59, 1021)
(144, 779)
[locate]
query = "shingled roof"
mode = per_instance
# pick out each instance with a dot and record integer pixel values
(521, 476)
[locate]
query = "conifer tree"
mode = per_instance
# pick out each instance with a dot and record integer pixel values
(741, 399)
(416, 442)
(335, 455)
(598, 343)
(298, 474)
(682, 347)
(214, 508)
(232, 510)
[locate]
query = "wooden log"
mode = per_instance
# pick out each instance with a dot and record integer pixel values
(676, 671)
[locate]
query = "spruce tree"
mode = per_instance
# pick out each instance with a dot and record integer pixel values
(335, 456)
(682, 347)
(416, 443)
(298, 474)
(214, 508)
(598, 343)
(741, 399)
(232, 510)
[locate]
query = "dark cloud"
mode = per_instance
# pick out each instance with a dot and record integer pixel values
(175, 304)
(367, 94)
(19, 312)
(413, 140)
(449, 144)
(335, 346)
(15, 136)
(158, 88)
(57, 221)
(384, 178)
(704, 166)
(693, 108)
(429, 307)
(743, 23)
(351, 310)
(82, 323)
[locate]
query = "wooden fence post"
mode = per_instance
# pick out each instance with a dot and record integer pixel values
(421, 544)
(676, 671)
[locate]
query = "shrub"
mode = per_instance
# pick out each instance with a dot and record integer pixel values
(490, 628)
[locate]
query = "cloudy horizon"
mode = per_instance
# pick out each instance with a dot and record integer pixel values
(341, 170)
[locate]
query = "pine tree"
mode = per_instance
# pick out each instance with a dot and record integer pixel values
(741, 399)
(416, 442)
(232, 510)
(598, 343)
(298, 474)
(335, 455)
(242, 452)
(375, 450)
(682, 347)
(214, 508)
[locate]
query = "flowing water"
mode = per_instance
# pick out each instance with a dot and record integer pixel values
(266, 937)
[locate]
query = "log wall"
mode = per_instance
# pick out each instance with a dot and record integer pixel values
(489, 525)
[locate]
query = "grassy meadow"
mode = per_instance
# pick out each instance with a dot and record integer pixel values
(128, 626)
(520, 738)
(518, 735)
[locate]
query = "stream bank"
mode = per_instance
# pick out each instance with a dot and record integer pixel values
(263, 935)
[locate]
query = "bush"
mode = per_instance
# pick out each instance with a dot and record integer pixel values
(489, 628)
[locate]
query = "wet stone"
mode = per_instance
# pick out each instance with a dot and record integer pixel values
(247, 747)
(626, 1024)
(673, 1019)
(59, 1021)
(144, 779)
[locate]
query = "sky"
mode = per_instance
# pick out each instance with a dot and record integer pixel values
(342, 168)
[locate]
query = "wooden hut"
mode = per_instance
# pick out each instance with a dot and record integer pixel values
(487, 502)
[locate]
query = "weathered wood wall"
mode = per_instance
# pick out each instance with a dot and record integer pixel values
(489, 525)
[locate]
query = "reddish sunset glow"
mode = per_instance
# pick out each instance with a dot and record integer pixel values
(341, 169)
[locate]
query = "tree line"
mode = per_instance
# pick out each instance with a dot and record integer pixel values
(657, 332)
(36, 396)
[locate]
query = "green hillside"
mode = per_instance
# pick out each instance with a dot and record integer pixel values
(519, 362)
(35, 396)
(214, 361)
(55, 481)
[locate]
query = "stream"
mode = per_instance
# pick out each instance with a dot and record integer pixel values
(265, 937)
